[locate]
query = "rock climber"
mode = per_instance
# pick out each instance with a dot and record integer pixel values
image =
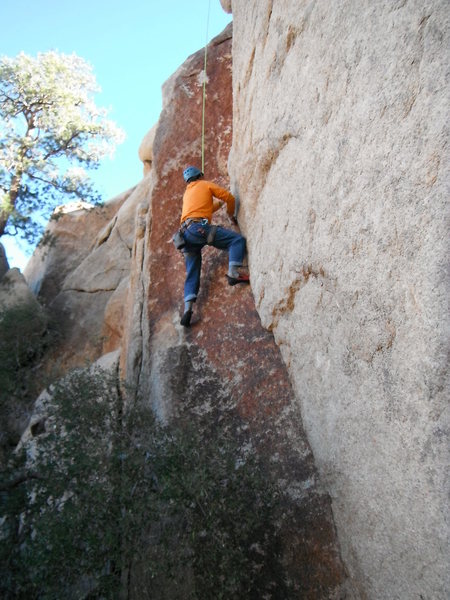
(200, 200)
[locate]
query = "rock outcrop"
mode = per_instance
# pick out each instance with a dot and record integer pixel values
(333, 131)
(14, 292)
(146, 151)
(82, 274)
(340, 156)
(226, 363)
(226, 5)
(67, 240)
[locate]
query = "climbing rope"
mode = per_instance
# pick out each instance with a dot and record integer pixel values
(204, 90)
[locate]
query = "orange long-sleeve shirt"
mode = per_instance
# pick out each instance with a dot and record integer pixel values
(198, 200)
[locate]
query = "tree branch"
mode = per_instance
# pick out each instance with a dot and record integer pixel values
(63, 147)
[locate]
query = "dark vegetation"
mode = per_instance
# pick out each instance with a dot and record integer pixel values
(105, 502)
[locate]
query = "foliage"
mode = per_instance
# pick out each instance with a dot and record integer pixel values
(23, 338)
(50, 131)
(119, 506)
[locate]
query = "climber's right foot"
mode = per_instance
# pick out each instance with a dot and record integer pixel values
(186, 318)
(243, 278)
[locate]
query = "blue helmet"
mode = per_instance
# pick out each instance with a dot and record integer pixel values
(191, 172)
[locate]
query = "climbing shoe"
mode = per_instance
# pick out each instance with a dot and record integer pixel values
(240, 279)
(186, 318)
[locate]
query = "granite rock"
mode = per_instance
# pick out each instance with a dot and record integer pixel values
(226, 366)
(68, 239)
(340, 157)
(14, 292)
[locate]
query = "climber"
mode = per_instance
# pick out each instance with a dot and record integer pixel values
(200, 200)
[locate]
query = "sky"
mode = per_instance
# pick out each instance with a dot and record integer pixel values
(134, 46)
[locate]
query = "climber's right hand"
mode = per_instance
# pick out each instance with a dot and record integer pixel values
(237, 204)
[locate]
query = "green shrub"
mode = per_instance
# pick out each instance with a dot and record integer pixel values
(115, 505)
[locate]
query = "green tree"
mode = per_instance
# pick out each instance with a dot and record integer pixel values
(51, 131)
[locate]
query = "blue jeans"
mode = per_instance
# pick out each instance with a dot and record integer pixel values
(195, 236)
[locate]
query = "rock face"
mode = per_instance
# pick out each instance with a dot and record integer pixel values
(226, 362)
(340, 157)
(82, 276)
(14, 292)
(146, 151)
(336, 117)
(69, 236)
(226, 5)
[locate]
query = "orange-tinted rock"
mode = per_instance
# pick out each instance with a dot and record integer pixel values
(71, 233)
(226, 360)
(82, 276)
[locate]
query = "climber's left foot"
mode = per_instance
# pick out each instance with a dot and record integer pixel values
(186, 318)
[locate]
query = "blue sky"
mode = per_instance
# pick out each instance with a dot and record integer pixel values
(133, 46)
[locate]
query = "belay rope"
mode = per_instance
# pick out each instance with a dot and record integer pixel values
(204, 90)
(178, 238)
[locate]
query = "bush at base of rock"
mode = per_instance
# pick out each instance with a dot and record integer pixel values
(114, 504)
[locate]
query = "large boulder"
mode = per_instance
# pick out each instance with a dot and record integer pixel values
(89, 303)
(80, 271)
(226, 365)
(14, 291)
(68, 239)
(146, 151)
(226, 5)
(340, 149)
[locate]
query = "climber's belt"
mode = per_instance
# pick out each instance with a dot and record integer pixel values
(212, 230)
(188, 222)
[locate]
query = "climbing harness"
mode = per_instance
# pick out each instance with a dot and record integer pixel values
(204, 90)
(212, 228)
(178, 238)
(211, 235)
